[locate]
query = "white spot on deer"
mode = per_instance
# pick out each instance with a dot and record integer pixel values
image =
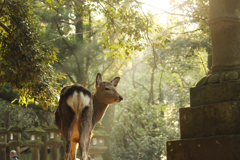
(78, 101)
(85, 99)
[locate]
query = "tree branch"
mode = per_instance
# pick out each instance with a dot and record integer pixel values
(125, 130)
(65, 70)
(143, 86)
(5, 27)
(117, 70)
(43, 118)
(186, 32)
(108, 66)
(173, 14)
(73, 52)
(150, 41)
(160, 88)
(2, 8)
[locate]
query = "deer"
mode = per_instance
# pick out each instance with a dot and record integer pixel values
(79, 111)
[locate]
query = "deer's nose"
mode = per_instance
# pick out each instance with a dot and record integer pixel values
(121, 98)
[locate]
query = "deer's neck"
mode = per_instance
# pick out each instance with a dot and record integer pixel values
(99, 110)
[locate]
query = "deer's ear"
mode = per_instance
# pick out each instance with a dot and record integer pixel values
(115, 81)
(98, 80)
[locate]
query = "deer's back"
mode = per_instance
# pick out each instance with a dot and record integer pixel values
(73, 99)
(70, 89)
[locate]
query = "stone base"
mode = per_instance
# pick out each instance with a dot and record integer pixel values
(3, 155)
(226, 147)
(98, 149)
(215, 93)
(210, 120)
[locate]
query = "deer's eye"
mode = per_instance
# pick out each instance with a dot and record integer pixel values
(107, 89)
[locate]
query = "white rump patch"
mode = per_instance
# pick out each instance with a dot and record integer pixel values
(78, 101)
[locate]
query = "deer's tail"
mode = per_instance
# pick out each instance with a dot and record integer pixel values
(78, 101)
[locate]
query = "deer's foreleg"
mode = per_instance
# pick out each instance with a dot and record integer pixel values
(85, 128)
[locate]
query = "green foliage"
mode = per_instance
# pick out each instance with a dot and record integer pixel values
(25, 63)
(158, 85)
(123, 23)
(22, 116)
(141, 131)
(94, 36)
(80, 56)
(14, 115)
(197, 11)
(27, 60)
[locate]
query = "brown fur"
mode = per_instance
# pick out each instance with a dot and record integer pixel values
(79, 130)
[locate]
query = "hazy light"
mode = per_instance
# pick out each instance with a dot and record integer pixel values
(51, 135)
(157, 8)
(32, 137)
(94, 141)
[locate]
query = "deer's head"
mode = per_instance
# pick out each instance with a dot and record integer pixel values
(106, 90)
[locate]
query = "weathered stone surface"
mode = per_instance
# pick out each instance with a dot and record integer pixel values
(225, 147)
(215, 108)
(202, 82)
(222, 77)
(189, 117)
(224, 25)
(232, 75)
(215, 93)
(214, 78)
(209, 120)
(43, 151)
(3, 155)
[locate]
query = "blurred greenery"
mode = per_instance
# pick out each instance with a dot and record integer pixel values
(46, 44)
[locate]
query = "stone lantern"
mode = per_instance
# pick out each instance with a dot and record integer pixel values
(35, 143)
(54, 141)
(98, 145)
(3, 141)
(210, 126)
(15, 138)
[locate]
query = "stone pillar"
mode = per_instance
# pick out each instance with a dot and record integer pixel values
(224, 26)
(35, 150)
(55, 146)
(210, 127)
(3, 141)
(98, 145)
(62, 149)
(54, 141)
(97, 151)
(35, 143)
(43, 151)
(15, 138)
(15, 145)
(98, 156)
(3, 154)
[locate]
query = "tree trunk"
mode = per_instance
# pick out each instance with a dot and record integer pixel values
(79, 27)
(80, 55)
(151, 94)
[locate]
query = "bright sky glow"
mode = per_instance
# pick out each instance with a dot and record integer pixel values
(157, 8)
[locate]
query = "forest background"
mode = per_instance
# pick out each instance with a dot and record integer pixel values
(46, 44)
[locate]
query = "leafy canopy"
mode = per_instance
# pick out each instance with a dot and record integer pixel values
(25, 63)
